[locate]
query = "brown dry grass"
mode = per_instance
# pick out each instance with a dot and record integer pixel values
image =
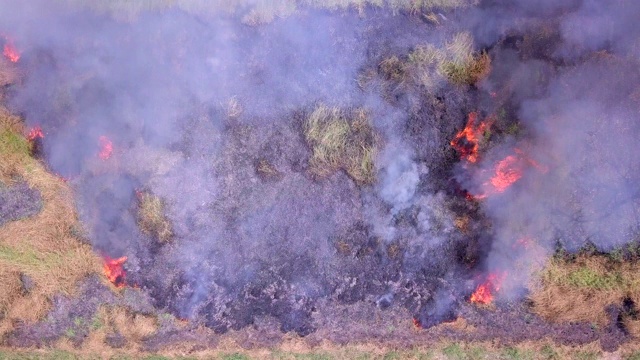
(428, 66)
(341, 140)
(463, 66)
(258, 12)
(42, 247)
(580, 289)
(152, 219)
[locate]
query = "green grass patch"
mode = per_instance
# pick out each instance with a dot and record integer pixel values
(12, 143)
(458, 352)
(33, 260)
(587, 278)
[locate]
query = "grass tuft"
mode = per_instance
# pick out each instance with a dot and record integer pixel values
(428, 66)
(152, 219)
(463, 66)
(341, 141)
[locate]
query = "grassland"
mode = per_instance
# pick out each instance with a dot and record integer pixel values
(580, 288)
(443, 351)
(44, 247)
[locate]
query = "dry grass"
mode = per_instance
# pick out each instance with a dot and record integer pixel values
(462, 65)
(428, 66)
(444, 350)
(257, 12)
(42, 247)
(579, 290)
(341, 141)
(152, 219)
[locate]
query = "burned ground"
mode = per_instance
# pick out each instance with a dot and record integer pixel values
(199, 167)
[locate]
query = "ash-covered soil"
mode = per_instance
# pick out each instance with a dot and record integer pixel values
(18, 201)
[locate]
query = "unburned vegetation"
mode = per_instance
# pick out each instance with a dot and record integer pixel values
(40, 253)
(342, 140)
(428, 66)
(587, 288)
(152, 217)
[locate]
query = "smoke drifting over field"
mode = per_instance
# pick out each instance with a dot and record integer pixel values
(207, 113)
(576, 100)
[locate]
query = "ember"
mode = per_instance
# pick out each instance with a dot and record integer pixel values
(416, 323)
(484, 293)
(10, 51)
(467, 141)
(106, 148)
(114, 271)
(35, 133)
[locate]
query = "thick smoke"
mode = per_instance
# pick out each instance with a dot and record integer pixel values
(191, 103)
(577, 108)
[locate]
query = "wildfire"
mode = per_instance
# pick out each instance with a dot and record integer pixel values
(106, 147)
(416, 323)
(508, 171)
(467, 141)
(114, 271)
(35, 133)
(10, 51)
(484, 293)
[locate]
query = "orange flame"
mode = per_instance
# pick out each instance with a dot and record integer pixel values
(106, 147)
(10, 51)
(467, 141)
(114, 271)
(484, 293)
(35, 133)
(508, 171)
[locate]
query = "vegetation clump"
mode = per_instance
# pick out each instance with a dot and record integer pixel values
(152, 219)
(341, 140)
(427, 65)
(463, 66)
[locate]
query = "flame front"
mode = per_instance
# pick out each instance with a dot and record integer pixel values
(114, 271)
(467, 141)
(106, 147)
(35, 133)
(508, 171)
(484, 293)
(10, 51)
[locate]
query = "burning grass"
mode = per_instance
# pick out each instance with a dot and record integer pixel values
(580, 289)
(341, 140)
(151, 217)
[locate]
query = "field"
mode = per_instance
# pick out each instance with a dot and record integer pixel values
(232, 182)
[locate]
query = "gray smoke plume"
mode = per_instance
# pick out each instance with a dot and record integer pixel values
(576, 103)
